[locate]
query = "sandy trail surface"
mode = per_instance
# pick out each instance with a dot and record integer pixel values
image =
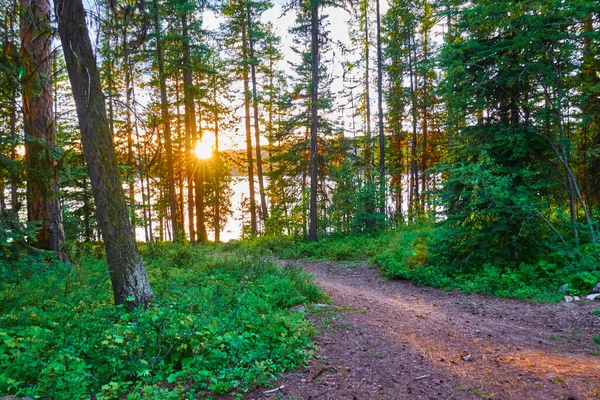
(393, 340)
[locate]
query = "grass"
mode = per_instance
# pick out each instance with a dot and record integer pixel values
(220, 323)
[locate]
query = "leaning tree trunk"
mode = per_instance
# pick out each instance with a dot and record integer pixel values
(38, 125)
(127, 272)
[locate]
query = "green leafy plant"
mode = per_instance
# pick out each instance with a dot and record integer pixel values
(219, 323)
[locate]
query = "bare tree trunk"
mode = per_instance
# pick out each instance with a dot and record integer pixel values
(382, 190)
(190, 122)
(314, 121)
(200, 202)
(126, 268)
(253, 228)
(424, 124)
(39, 127)
(181, 149)
(14, 184)
(166, 121)
(200, 189)
(413, 200)
(129, 126)
(259, 170)
(2, 200)
(217, 216)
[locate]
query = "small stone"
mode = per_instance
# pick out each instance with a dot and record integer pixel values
(467, 358)
(576, 298)
(569, 299)
(596, 288)
(593, 296)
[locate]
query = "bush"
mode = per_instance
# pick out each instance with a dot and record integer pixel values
(219, 323)
(408, 253)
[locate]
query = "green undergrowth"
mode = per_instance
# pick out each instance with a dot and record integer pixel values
(220, 323)
(410, 253)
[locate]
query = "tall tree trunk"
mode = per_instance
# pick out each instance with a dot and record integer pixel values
(200, 201)
(129, 126)
(109, 75)
(217, 216)
(382, 190)
(253, 227)
(259, 170)
(181, 149)
(413, 201)
(200, 192)
(368, 146)
(424, 123)
(166, 121)
(2, 200)
(39, 128)
(314, 120)
(190, 122)
(15, 204)
(126, 268)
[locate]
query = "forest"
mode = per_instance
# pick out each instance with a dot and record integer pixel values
(162, 161)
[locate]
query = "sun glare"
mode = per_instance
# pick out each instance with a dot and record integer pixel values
(203, 150)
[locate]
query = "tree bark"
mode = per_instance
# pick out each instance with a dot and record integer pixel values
(166, 121)
(38, 125)
(14, 179)
(314, 121)
(190, 122)
(380, 116)
(259, 170)
(253, 227)
(126, 268)
(217, 216)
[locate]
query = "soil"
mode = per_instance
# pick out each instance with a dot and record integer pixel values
(393, 340)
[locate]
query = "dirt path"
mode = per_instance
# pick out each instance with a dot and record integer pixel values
(394, 340)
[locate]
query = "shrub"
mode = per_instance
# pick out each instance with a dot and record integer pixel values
(219, 323)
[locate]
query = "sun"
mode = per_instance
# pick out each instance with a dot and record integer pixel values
(203, 150)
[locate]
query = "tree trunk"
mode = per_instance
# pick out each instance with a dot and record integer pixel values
(314, 121)
(259, 170)
(166, 121)
(15, 204)
(200, 201)
(129, 127)
(253, 228)
(190, 122)
(368, 145)
(38, 125)
(126, 268)
(200, 192)
(217, 216)
(382, 190)
(181, 178)
(413, 200)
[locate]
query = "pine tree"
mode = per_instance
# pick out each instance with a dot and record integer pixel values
(39, 127)
(508, 75)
